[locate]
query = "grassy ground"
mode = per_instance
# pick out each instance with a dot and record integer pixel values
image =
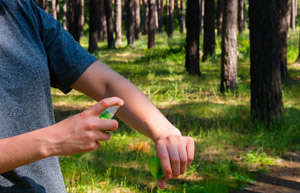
(230, 150)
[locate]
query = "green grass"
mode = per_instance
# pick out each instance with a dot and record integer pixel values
(230, 149)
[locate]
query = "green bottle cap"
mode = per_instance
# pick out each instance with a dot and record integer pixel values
(109, 112)
(156, 168)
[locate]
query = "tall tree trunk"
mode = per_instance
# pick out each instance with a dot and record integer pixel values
(181, 15)
(64, 14)
(220, 16)
(102, 29)
(294, 12)
(130, 26)
(118, 23)
(284, 14)
(74, 16)
(170, 17)
(201, 4)
(229, 46)
(151, 27)
(137, 19)
(53, 9)
(209, 42)
(266, 95)
(82, 16)
(241, 15)
(192, 37)
(93, 25)
(109, 24)
(145, 16)
(159, 4)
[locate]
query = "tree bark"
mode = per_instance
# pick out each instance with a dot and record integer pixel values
(74, 19)
(93, 25)
(137, 20)
(151, 27)
(82, 16)
(118, 23)
(229, 47)
(145, 16)
(209, 42)
(201, 15)
(53, 9)
(159, 4)
(102, 29)
(266, 95)
(220, 16)
(192, 37)
(241, 15)
(109, 24)
(170, 17)
(284, 14)
(181, 15)
(64, 14)
(294, 12)
(130, 26)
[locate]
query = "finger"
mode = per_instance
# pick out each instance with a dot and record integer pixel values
(101, 136)
(103, 124)
(183, 157)
(190, 148)
(174, 159)
(163, 155)
(98, 108)
(161, 184)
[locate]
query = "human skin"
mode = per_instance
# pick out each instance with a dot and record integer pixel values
(81, 133)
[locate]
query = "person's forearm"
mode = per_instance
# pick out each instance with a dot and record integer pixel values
(22, 149)
(99, 82)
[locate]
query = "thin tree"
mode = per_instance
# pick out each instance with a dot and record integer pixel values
(42, 4)
(137, 19)
(209, 42)
(170, 17)
(93, 25)
(181, 15)
(159, 5)
(284, 14)
(294, 12)
(82, 16)
(266, 94)
(109, 24)
(152, 26)
(74, 19)
(145, 17)
(102, 32)
(192, 37)
(53, 9)
(64, 14)
(130, 27)
(220, 7)
(241, 15)
(118, 23)
(229, 46)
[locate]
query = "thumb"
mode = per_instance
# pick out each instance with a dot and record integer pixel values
(98, 108)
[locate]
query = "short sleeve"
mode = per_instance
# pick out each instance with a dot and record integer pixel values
(67, 60)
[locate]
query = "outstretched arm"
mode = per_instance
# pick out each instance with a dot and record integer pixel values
(175, 151)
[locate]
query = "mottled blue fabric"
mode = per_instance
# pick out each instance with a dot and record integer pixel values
(35, 54)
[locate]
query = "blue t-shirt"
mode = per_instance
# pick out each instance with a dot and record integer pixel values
(35, 54)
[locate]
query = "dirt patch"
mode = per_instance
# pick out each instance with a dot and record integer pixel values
(284, 178)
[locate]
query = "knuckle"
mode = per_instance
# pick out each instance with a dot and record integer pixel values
(183, 161)
(83, 114)
(164, 156)
(104, 103)
(190, 159)
(92, 146)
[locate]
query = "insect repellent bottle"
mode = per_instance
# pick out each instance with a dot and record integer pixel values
(109, 112)
(155, 168)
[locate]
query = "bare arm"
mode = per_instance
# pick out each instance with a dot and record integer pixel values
(175, 151)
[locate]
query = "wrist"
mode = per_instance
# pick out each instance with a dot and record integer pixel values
(47, 145)
(166, 132)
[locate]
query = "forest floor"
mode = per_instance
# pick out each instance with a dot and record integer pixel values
(282, 178)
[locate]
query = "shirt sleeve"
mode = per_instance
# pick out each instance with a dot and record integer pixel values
(67, 60)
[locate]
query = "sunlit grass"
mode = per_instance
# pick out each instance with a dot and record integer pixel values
(230, 149)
